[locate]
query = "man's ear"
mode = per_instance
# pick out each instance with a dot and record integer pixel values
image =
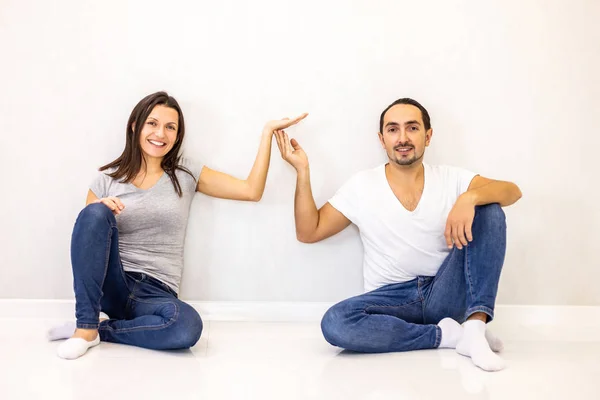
(381, 140)
(428, 136)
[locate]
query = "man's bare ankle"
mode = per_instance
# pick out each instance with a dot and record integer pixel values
(480, 316)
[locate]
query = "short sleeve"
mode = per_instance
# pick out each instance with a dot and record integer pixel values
(346, 199)
(100, 185)
(463, 179)
(193, 166)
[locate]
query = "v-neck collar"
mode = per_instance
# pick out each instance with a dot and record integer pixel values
(393, 195)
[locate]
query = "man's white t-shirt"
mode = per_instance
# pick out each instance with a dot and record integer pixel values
(400, 245)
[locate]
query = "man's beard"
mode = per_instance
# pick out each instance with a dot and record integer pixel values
(406, 161)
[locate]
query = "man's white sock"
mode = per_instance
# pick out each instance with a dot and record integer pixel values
(474, 344)
(494, 341)
(451, 333)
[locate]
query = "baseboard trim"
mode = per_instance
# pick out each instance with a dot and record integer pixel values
(209, 310)
(527, 315)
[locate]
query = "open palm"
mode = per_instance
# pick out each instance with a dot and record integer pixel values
(291, 151)
(276, 125)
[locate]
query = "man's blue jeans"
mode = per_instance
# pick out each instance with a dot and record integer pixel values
(403, 316)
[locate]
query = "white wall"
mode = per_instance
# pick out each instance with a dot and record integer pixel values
(512, 87)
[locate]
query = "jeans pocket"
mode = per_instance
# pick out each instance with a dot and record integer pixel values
(136, 276)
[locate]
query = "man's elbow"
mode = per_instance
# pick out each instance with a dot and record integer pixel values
(518, 193)
(511, 196)
(304, 238)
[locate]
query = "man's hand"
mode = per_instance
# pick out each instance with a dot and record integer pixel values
(460, 222)
(291, 151)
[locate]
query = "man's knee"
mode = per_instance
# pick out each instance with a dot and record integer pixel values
(490, 219)
(492, 212)
(334, 326)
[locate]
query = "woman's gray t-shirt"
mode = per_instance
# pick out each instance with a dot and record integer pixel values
(153, 223)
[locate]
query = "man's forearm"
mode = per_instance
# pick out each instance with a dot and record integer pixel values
(504, 193)
(306, 213)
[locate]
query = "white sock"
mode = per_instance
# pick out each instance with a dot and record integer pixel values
(76, 347)
(451, 333)
(66, 330)
(450, 336)
(63, 331)
(494, 341)
(474, 344)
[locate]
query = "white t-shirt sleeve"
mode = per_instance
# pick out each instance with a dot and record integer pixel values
(346, 199)
(463, 179)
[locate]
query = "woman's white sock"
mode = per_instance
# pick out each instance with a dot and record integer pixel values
(76, 347)
(66, 330)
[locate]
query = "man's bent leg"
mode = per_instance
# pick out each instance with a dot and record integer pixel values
(384, 320)
(467, 283)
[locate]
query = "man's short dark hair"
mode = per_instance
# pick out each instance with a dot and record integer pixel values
(406, 100)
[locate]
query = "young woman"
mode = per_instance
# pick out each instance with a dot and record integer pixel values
(127, 243)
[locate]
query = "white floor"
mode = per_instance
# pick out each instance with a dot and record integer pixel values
(251, 360)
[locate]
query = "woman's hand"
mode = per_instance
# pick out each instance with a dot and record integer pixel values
(276, 125)
(114, 203)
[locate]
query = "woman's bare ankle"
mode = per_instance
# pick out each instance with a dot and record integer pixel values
(87, 334)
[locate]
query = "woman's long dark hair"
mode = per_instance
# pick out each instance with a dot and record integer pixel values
(129, 163)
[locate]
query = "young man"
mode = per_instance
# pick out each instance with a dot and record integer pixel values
(434, 243)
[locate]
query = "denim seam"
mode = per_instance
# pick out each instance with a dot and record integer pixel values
(433, 282)
(123, 272)
(420, 292)
(149, 301)
(395, 306)
(107, 260)
(438, 277)
(468, 272)
(438, 337)
(147, 327)
(131, 296)
(136, 284)
(128, 304)
(87, 326)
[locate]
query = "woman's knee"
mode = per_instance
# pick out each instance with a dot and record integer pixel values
(96, 213)
(188, 328)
